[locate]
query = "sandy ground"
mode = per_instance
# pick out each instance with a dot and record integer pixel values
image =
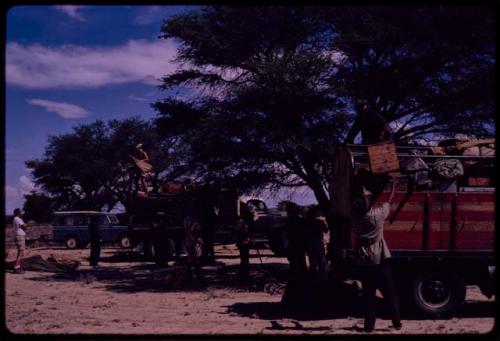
(129, 296)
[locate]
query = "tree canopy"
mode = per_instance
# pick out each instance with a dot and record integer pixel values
(270, 92)
(38, 207)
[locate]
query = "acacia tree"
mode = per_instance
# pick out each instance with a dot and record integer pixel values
(90, 167)
(273, 91)
(430, 69)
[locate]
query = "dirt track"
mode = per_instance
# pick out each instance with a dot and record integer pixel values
(123, 297)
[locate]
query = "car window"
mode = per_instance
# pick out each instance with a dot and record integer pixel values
(113, 219)
(256, 205)
(80, 220)
(58, 220)
(69, 220)
(103, 220)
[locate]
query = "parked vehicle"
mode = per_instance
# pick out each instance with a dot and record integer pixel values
(157, 221)
(442, 241)
(71, 228)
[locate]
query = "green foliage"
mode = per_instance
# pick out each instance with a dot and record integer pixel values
(38, 207)
(429, 68)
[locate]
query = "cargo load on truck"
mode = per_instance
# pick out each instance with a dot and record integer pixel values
(441, 225)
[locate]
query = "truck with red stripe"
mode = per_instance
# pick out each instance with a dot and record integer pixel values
(443, 241)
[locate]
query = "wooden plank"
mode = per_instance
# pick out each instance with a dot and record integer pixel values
(409, 226)
(477, 207)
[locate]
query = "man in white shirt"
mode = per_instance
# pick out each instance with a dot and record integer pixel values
(19, 227)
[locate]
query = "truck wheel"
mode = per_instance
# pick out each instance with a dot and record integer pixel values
(71, 242)
(124, 241)
(438, 294)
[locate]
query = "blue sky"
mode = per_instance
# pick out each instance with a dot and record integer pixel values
(70, 65)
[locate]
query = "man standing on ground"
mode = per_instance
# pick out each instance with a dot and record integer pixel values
(19, 227)
(209, 222)
(95, 240)
(315, 247)
(243, 240)
(372, 255)
(295, 292)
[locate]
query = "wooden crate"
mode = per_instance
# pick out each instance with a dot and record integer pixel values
(383, 158)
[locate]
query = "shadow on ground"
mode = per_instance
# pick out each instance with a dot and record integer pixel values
(147, 277)
(334, 299)
(331, 299)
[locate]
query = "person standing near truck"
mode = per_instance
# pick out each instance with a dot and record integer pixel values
(193, 241)
(315, 247)
(209, 221)
(295, 293)
(372, 255)
(19, 227)
(95, 240)
(245, 220)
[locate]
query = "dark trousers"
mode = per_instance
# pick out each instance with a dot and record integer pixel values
(208, 242)
(379, 276)
(298, 266)
(95, 252)
(244, 261)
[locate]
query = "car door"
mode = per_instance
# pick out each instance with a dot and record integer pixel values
(80, 226)
(105, 229)
(59, 228)
(115, 230)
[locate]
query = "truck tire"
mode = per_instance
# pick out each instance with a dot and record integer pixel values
(71, 242)
(124, 241)
(438, 294)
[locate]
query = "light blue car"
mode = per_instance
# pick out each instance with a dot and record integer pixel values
(72, 228)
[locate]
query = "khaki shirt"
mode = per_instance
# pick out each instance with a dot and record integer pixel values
(371, 247)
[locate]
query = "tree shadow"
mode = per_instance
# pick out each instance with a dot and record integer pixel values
(151, 278)
(329, 299)
(335, 300)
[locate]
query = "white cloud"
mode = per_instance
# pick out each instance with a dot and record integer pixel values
(14, 194)
(37, 66)
(12, 199)
(65, 110)
(25, 184)
(71, 11)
